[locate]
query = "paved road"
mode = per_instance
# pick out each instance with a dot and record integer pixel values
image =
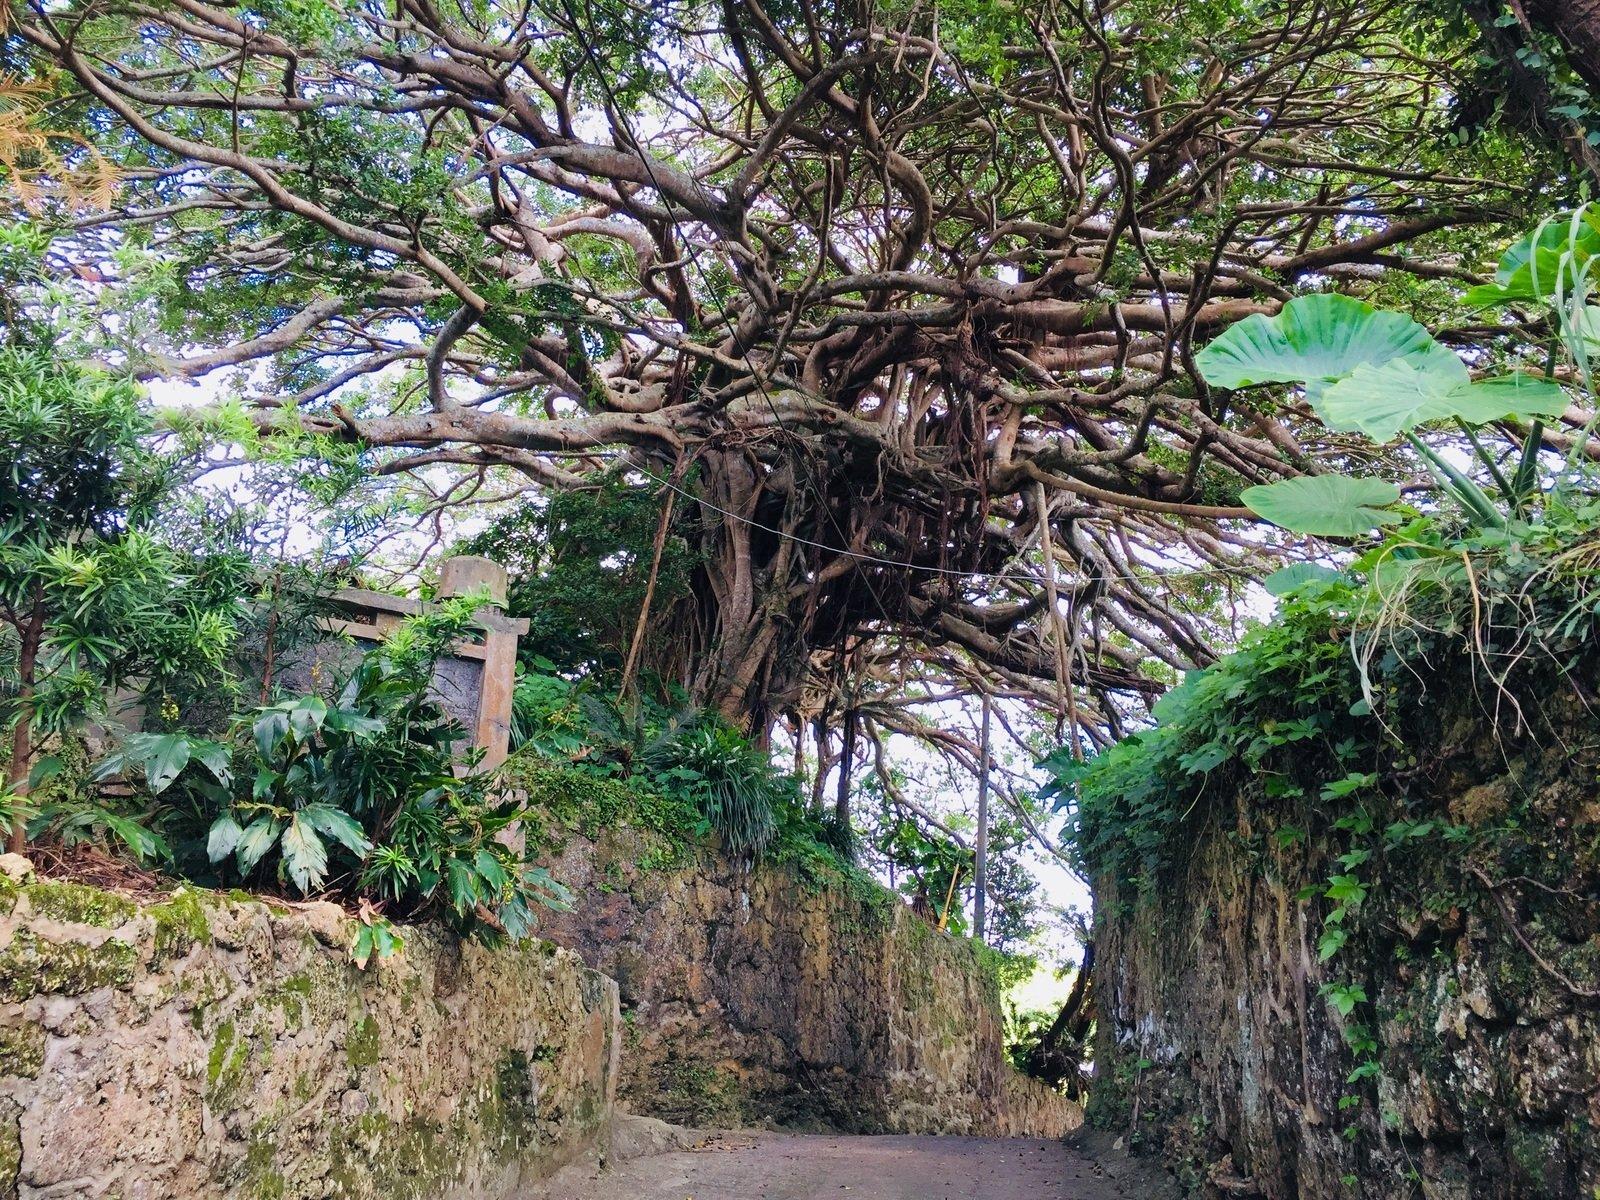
(782, 1167)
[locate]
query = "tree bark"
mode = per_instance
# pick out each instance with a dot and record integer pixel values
(847, 757)
(1577, 24)
(32, 633)
(1059, 1056)
(980, 855)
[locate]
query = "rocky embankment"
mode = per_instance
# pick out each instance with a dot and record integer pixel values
(205, 1046)
(1475, 948)
(758, 997)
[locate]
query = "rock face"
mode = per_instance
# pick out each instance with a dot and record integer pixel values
(755, 997)
(1479, 960)
(204, 1047)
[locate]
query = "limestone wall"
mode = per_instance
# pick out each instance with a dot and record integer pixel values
(207, 1047)
(755, 997)
(1481, 966)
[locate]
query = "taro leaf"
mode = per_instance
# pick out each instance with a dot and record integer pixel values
(1530, 271)
(339, 825)
(304, 856)
(1295, 576)
(1325, 505)
(1386, 401)
(255, 842)
(1315, 340)
(224, 837)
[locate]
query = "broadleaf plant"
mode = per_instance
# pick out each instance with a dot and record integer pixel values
(1382, 375)
(1325, 505)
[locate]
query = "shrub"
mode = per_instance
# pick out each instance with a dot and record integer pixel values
(358, 798)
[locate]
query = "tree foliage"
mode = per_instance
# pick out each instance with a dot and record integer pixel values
(882, 291)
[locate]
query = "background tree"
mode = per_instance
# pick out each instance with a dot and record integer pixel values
(90, 596)
(898, 301)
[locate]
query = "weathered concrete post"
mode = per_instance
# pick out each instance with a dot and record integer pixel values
(480, 698)
(461, 576)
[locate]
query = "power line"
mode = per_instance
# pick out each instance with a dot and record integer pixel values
(711, 292)
(761, 384)
(1005, 576)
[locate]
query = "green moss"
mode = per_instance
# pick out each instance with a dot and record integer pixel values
(225, 1065)
(293, 995)
(264, 1181)
(22, 1049)
(509, 1118)
(570, 799)
(697, 1093)
(80, 905)
(376, 1156)
(33, 966)
(180, 925)
(364, 1042)
(10, 1150)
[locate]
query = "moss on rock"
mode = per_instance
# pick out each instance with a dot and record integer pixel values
(22, 1049)
(32, 966)
(364, 1043)
(78, 904)
(180, 925)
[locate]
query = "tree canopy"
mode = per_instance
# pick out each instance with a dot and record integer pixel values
(894, 307)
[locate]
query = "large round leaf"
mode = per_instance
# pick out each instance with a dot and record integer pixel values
(1315, 340)
(1386, 401)
(1534, 265)
(1326, 505)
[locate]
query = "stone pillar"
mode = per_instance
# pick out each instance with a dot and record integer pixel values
(462, 576)
(467, 573)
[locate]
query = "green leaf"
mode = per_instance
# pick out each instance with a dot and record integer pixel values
(255, 842)
(142, 842)
(1314, 341)
(338, 825)
(462, 884)
(163, 758)
(1325, 505)
(345, 721)
(1346, 997)
(1332, 941)
(1286, 580)
(46, 768)
(1347, 890)
(214, 757)
(376, 938)
(304, 856)
(1532, 266)
(1386, 401)
(224, 837)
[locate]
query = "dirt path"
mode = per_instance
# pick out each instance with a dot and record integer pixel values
(784, 1167)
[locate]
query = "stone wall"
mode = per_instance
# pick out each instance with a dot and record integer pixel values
(756, 997)
(206, 1047)
(1481, 965)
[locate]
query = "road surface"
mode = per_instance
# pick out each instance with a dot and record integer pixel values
(825, 1167)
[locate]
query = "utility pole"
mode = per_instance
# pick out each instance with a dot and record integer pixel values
(980, 869)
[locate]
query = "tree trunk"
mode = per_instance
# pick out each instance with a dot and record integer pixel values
(22, 733)
(1577, 24)
(847, 757)
(1058, 1058)
(980, 866)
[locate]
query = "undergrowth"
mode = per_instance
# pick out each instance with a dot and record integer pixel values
(1322, 738)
